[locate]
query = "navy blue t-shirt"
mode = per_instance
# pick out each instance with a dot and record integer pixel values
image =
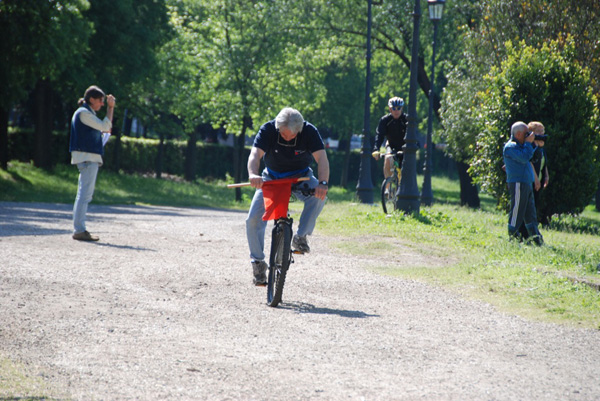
(283, 158)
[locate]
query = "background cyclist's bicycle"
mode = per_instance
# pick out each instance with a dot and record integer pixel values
(390, 185)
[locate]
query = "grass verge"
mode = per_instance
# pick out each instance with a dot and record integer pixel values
(17, 384)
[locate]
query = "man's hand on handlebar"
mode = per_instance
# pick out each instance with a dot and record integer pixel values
(256, 181)
(321, 191)
(376, 155)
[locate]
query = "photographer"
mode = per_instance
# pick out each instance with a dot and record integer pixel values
(517, 154)
(86, 144)
(539, 162)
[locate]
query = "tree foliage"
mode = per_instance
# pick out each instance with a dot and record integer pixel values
(536, 22)
(461, 115)
(546, 85)
(40, 40)
(124, 41)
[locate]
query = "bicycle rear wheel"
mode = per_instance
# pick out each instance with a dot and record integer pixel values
(389, 188)
(279, 263)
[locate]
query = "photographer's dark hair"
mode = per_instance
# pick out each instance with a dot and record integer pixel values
(91, 92)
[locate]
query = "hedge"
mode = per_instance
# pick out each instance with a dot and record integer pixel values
(138, 155)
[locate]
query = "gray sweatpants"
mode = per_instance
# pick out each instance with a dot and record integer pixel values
(522, 209)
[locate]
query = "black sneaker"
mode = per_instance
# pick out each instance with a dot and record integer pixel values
(259, 269)
(299, 244)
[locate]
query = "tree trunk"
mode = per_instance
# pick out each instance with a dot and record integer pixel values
(127, 124)
(116, 147)
(4, 138)
(346, 164)
(159, 155)
(43, 122)
(468, 192)
(598, 197)
(190, 157)
(238, 159)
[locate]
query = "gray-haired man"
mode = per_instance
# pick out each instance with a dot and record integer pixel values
(288, 145)
(520, 177)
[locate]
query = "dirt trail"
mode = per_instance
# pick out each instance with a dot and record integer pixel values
(162, 308)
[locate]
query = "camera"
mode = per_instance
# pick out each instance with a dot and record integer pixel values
(540, 137)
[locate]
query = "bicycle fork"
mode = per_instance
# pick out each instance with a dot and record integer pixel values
(280, 225)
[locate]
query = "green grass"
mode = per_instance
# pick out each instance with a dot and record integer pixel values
(24, 183)
(16, 383)
(480, 262)
(539, 283)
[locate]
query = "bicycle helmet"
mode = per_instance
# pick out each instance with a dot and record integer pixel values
(396, 102)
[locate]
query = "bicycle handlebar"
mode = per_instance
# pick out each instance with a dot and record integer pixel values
(304, 190)
(385, 153)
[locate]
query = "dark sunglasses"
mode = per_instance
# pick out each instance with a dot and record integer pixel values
(397, 108)
(283, 142)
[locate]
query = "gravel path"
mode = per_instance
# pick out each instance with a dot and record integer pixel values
(162, 308)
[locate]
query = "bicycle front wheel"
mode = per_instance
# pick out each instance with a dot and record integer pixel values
(389, 189)
(279, 263)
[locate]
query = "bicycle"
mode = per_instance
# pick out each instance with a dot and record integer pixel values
(390, 185)
(281, 255)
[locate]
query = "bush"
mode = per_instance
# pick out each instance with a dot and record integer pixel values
(544, 85)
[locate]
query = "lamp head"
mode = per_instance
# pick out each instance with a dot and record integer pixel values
(436, 7)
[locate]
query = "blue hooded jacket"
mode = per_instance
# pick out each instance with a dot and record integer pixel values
(516, 160)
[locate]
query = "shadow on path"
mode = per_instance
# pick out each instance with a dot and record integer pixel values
(22, 219)
(133, 248)
(302, 307)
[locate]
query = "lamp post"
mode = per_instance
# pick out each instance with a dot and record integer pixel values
(364, 188)
(436, 7)
(408, 193)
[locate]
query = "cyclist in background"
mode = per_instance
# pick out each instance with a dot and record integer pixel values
(392, 127)
(288, 145)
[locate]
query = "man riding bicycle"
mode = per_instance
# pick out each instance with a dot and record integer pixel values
(287, 145)
(392, 127)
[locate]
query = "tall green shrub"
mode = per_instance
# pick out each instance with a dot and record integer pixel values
(546, 85)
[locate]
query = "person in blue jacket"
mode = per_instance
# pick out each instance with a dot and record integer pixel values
(86, 144)
(520, 177)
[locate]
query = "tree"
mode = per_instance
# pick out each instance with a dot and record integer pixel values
(40, 40)
(168, 101)
(126, 36)
(247, 56)
(342, 113)
(548, 86)
(536, 22)
(462, 121)
(487, 26)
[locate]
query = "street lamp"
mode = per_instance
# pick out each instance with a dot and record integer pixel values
(435, 15)
(408, 194)
(364, 188)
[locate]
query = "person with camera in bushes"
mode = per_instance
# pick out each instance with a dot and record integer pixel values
(539, 163)
(517, 154)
